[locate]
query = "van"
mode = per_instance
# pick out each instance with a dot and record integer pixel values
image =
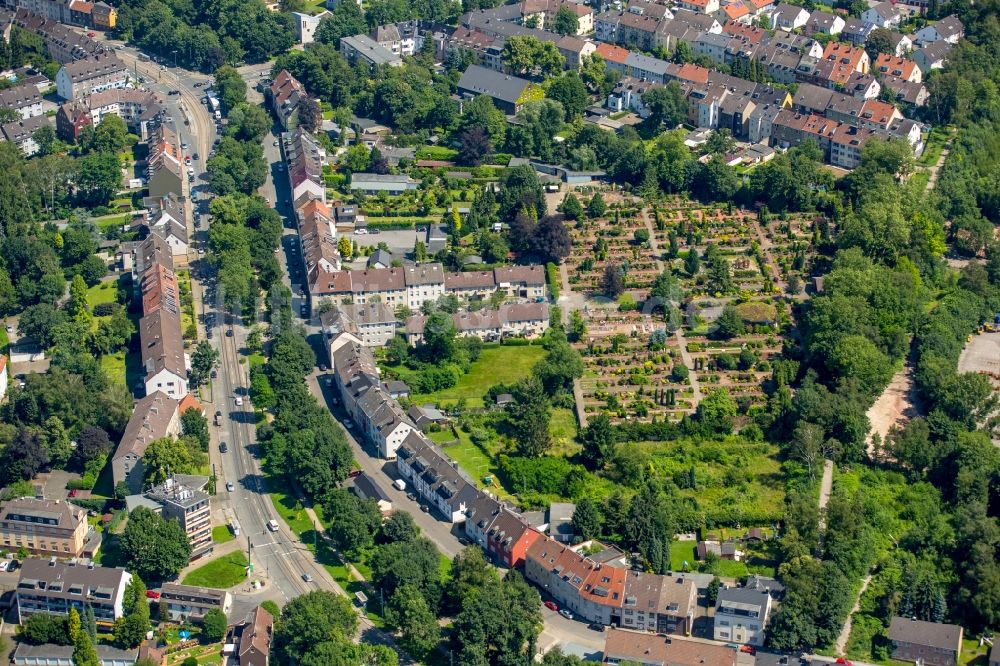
(272, 525)
(400, 484)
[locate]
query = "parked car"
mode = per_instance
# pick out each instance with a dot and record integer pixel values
(749, 649)
(239, 401)
(307, 577)
(348, 423)
(73, 492)
(152, 594)
(566, 614)
(551, 605)
(223, 447)
(230, 486)
(5, 565)
(593, 626)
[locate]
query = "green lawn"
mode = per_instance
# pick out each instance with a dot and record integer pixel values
(936, 141)
(114, 366)
(562, 428)
(223, 573)
(681, 551)
(920, 180)
(4, 340)
(102, 292)
(109, 222)
(221, 534)
(496, 365)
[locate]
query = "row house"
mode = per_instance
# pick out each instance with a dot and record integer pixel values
(930, 643)
(738, 13)
(856, 31)
(382, 421)
(25, 99)
(164, 362)
(646, 68)
(164, 163)
(166, 217)
(741, 615)
(374, 324)
(49, 586)
(824, 23)
(434, 477)
(574, 50)
(932, 55)
(907, 92)
(542, 14)
(139, 109)
(622, 646)
(789, 17)
(285, 93)
(424, 284)
(81, 13)
(85, 77)
(528, 320)
(46, 527)
(62, 42)
(154, 417)
(318, 240)
(649, 8)
(700, 6)
(304, 159)
(610, 595)
(22, 133)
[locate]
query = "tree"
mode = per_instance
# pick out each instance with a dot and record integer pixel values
(470, 574)
(400, 526)
(230, 86)
(110, 136)
(310, 115)
(213, 625)
(166, 456)
(588, 519)
(408, 613)
(560, 366)
(46, 139)
(716, 412)
(729, 324)
(667, 105)
(571, 207)
(612, 282)
(552, 240)
(312, 619)
(84, 653)
(343, 21)
(131, 628)
(527, 55)
(345, 248)
(598, 441)
(156, 548)
(42, 628)
(415, 563)
(483, 114)
(248, 122)
(73, 624)
(520, 191)
(39, 323)
(498, 625)
(474, 146)
(439, 337)
(355, 521)
(528, 415)
(650, 527)
(879, 41)
(596, 206)
(204, 358)
(565, 22)
(569, 91)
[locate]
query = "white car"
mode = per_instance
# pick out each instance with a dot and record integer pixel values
(5, 565)
(230, 486)
(239, 402)
(361, 232)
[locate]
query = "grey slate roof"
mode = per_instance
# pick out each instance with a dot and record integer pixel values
(498, 85)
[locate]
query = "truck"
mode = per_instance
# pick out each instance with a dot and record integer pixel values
(213, 102)
(272, 525)
(400, 484)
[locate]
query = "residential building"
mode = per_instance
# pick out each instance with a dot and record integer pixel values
(46, 527)
(508, 538)
(304, 159)
(864, 86)
(403, 38)
(574, 50)
(528, 320)
(930, 643)
(164, 163)
(318, 240)
(62, 42)
(187, 602)
(4, 376)
(166, 217)
(856, 31)
(852, 56)
(155, 416)
(50, 586)
(362, 48)
(434, 478)
(824, 23)
(306, 24)
(914, 94)
(140, 109)
(741, 615)
(105, 16)
(509, 93)
(932, 55)
(559, 517)
(22, 133)
(252, 638)
(50, 654)
(285, 93)
(653, 650)
(542, 14)
(789, 17)
(896, 67)
(373, 183)
(162, 353)
(182, 498)
(525, 282)
(900, 44)
(382, 420)
(25, 99)
(86, 77)
(424, 283)
(700, 6)
(949, 29)
(375, 322)
(366, 488)
(883, 15)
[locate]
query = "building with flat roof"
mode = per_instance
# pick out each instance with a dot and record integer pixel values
(50, 654)
(362, 48)
(50, 586)
(46, 527)
(182, 498)
(188, 602)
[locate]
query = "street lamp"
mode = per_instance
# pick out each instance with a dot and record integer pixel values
(175, 58)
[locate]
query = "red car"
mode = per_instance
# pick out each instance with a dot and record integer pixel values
(551, 606)
(749, 649)
(72, 493)
(844, 662)
(152, 594)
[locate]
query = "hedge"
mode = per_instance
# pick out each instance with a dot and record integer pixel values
(552, 273)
